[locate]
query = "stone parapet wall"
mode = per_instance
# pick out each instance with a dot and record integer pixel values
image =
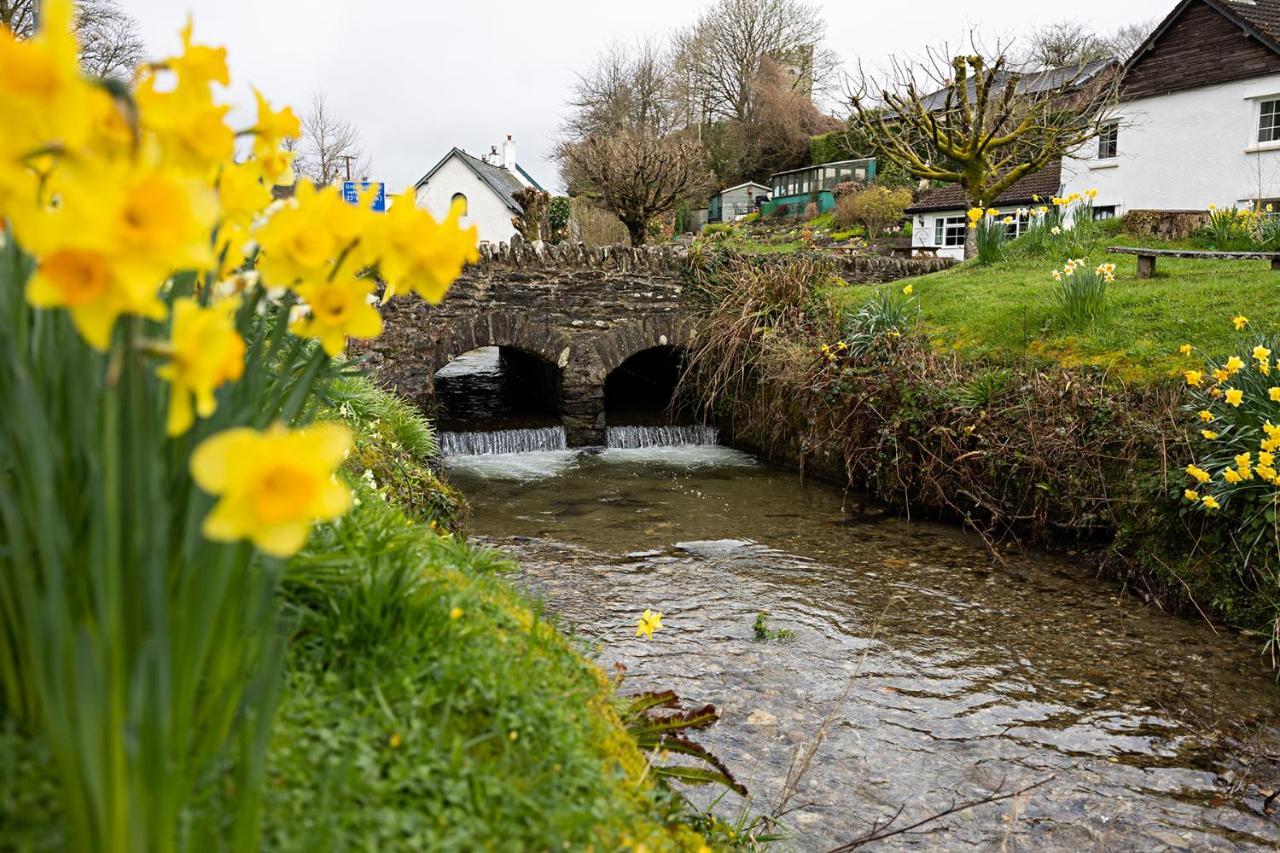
(874, 269)
(519, 254)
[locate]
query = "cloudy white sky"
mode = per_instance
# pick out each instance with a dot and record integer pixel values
(421, 76)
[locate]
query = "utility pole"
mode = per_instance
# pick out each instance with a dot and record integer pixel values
(347, 158)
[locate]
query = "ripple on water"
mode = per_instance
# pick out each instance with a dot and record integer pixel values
(943, 674)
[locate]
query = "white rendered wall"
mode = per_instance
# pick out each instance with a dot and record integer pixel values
(485, 209)
(923, 235)
(1185, 151)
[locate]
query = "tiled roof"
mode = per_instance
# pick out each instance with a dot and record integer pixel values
(1045, 183)
(1261, 15)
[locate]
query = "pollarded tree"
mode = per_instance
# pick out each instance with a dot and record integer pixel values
(109, 42)
(635, 174)
(985, 127)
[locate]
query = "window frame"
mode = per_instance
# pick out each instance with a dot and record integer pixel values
(1109, 138)
(943, 226)
(466, 202)
(1273, 128)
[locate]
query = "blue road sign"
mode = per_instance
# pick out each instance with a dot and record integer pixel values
(351, 191)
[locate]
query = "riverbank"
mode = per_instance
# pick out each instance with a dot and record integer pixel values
(427, 704)
(914, 668)
(939, 419)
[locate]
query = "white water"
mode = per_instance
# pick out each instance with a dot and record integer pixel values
(502, 442)
(636, 437)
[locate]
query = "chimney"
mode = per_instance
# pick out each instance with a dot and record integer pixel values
(509, 154)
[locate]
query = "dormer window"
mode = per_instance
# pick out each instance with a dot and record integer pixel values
(1269, 120)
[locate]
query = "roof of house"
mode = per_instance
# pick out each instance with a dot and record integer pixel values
(821, 166)
(1045, 183)
(497, 178)
(1031, 83)
(1259, 18)
(745, 184)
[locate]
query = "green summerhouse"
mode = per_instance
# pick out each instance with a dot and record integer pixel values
(796, 188)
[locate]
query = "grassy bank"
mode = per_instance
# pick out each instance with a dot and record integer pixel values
(1005, 312)
(969, 400)
(427, 704)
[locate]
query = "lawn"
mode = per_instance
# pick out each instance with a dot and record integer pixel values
(1006, 312)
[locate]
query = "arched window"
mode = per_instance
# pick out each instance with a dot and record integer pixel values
(459, 198)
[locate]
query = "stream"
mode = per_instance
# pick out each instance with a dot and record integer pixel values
(933, 672)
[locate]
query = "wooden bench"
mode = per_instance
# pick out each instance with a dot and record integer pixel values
(1147, 257)
(913, 252)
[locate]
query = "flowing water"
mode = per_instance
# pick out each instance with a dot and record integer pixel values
(936, 673)
(928, 672)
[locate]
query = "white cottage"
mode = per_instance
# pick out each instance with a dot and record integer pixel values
(1198, 121)
(485, 187)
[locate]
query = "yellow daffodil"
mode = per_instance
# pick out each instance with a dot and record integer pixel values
(1194, 378)
(1191, 495)
(43, 92)
(1266, 458)
(1240, 321)
(975, 213)
(206, 351)
(1234, 364)
(1234, 397)
(992, 212)
(1092, 194)
(1231, 476)
(1206, 416)
(1185, 349)
(1244, 461)
(455, 614)
(415, 252)
(339, 309)
(1209, 434)
(1055, 230)
(1210, 502)
(1198, 474)
(1261, 353)
(907, 290)
(272, 485)
(648, 623)
(89, 286)
(1274, 393)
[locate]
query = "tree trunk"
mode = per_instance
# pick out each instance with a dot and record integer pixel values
(970, 243)
(636, 230)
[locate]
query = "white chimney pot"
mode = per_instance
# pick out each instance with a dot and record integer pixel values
(509, 153)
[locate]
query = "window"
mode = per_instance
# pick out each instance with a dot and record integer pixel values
(459, 200)
(1269, 121)
(1019, 224)
(1101, 213)
(1109, 141)
(949, 231)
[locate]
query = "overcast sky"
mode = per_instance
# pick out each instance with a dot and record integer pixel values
(421, 76)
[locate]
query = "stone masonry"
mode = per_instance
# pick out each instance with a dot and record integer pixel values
(585, 311)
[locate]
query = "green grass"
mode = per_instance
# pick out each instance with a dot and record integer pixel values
(427, 704)
(1005, 312)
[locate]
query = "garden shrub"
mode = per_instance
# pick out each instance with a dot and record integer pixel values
(876, 208)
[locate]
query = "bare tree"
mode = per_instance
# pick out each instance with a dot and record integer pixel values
(722, 52)
(109, 42)
(1074, 42)
(986, 127)
(1062, 43)
(628, 88)
(636, 175)
(777, 134)
(330, 145)
(1126, 40)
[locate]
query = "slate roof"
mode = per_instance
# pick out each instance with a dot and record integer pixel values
(1036, 82)
(498, 179)
(1045, 183)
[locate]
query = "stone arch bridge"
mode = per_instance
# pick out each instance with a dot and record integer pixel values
(574, 314)
(579, 312)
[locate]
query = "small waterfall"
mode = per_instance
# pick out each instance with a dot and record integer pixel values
(502, 441)
(636, 437)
